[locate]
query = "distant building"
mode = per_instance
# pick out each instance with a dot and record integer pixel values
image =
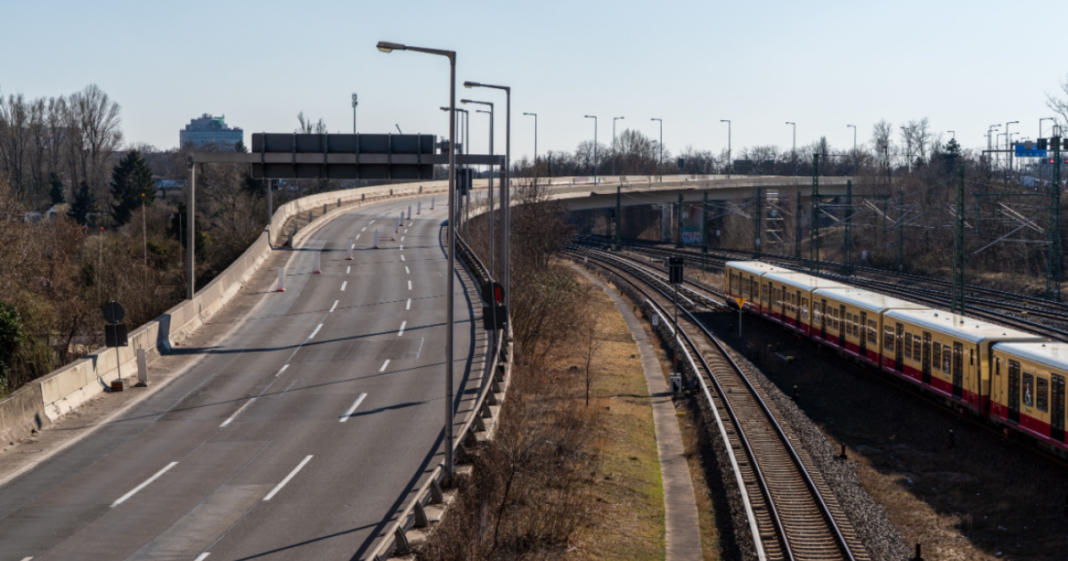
(208, 129)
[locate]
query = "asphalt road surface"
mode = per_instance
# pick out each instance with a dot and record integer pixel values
(293, 438)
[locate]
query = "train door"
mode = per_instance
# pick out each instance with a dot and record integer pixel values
(899, 343)
(1056, 424)
(842, 326)
(926, 358)
(864, 334)
(958, 370)
(823, 319)
(1014, 391)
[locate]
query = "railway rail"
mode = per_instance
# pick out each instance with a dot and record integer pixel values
(1010, 314)
(794, 514)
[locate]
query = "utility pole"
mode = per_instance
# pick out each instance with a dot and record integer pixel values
(957, 297)
(757, 216)
(814, 228)
(901, 233)
(1053, 264)
(847, 249)
(704, 229)
(678, 239)
(619, 218)
(797, 224)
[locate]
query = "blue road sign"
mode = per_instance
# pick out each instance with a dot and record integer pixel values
(1028, 150)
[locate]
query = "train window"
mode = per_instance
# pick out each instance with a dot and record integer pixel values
(1028, 389)
(908, 345)
(916, 346)
(971, 357)
(764, 292)
(947, 361)
(873, 333)
(888, 337)
(997, 366)
(835, 318)
(856, 327)
(1041, 394)
(936, 350)
(804, 308)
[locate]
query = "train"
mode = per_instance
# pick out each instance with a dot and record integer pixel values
(1010, 378)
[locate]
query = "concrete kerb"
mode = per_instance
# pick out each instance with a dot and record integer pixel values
(46, 399)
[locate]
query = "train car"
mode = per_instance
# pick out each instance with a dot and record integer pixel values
(853, 320)
(785, 298)
(947, 354)
(741, 279)
(1027, 390)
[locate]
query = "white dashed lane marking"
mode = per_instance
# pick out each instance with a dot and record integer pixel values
(409, 305)
(352, 409)
(334, 307)
(384, 365)
(343, 285)
(291, 475)
(409, 285)
(401, 332)
(143, 485)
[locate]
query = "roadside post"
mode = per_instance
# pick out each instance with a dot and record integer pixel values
(115, 336)
(142, 368)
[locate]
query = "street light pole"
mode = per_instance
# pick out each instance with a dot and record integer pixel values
(661, 149)
(354, 113)
(854, 148)
(954, 133)
(614, 119)
(730, 165)
(1008, 143)
(388, 47)
(506, 188)
(793, 151)
(489, 187)
(535, 115)
(594, 117)
(1040, 124)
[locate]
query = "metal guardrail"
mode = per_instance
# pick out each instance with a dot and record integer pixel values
(413, 515)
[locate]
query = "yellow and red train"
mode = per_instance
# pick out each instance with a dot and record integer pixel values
(1013, 379)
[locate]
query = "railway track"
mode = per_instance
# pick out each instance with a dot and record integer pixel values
(793, 513)
(1010, 314)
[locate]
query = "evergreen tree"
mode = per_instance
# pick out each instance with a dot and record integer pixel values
(57, 192)
(240, 147)
(83, 204)
(130, 179)
(10, 338)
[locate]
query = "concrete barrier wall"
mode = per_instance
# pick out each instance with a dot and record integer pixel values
(49, 397)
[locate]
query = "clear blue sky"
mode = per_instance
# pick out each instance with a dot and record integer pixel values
(963, 64)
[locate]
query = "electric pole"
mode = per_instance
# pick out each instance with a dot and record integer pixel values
(814, 228)
(847, 249)
(797, 225)
(1053, 264)
(704, 229)
(619, 219)
(957, 297)
(757, 216)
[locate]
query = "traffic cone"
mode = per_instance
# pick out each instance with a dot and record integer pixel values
(281, 280)
(376, 239)
(352, 244)
(318, 270)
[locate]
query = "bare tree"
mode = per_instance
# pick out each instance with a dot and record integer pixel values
(1060, 105)
(883, 140)
(308, 127)
(589, 335)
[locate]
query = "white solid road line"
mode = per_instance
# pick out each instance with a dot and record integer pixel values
(384, 365)
(409, 285)
(236, 413)
(314, 333)
(293, 473)
(334, 307)
(343, 285)
(143, 485)
(352, 409)
(401, 332)
(408, 306)
(406, 271)
(202, 556)
(281, 371)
